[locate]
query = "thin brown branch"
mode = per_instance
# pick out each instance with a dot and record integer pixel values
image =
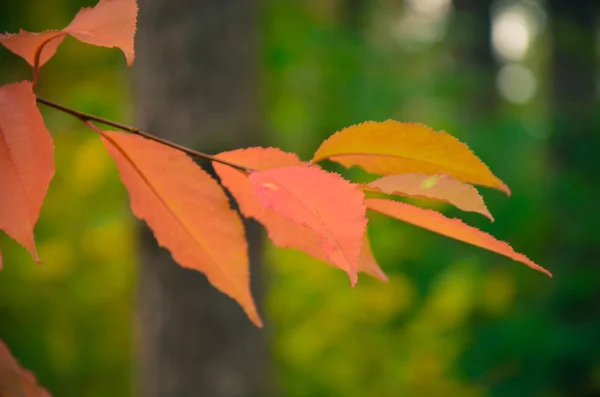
(85, 117)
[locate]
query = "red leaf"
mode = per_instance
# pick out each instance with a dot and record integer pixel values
(16, 381)
(26, 163)
(326, 203)
(282, 232)
(454, 228)
(438, 187)
(188, 212)
(111, 23)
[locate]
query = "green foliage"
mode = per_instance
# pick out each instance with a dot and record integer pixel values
(449, 322)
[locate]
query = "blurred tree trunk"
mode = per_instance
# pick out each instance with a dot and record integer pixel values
(475, 63)
(196, 79)
(574, 147)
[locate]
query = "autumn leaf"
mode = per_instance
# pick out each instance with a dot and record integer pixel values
(368, 263)
(326, 203)
(16, 381)
(282, 232)
(391, 147)
(111, 23)
(438, 187)
(454, 228)
(28, 44)
(188, 212)
(26, 163)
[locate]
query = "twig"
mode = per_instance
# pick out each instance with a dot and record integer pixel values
(87, 117)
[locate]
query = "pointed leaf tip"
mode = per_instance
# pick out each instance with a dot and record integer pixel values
(391, 147)
(187, 211)
(454, 228)
(26, 163)
(330, 206)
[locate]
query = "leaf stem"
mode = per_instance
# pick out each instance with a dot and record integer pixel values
(85, 117)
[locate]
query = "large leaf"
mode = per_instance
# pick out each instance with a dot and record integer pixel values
(26, 163)
(16, 381)
(454, 228)
(326, 203)
(111, 23)
(188, 212)
(281, 231)
(438, 187)
(391, 147)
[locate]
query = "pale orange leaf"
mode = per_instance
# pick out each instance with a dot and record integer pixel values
(111, 23)
(438, 187)
(391, 147)
(26, 163)
(326, 203)
(188, 212)
(16, 381)
(454, 228)
(282, 232)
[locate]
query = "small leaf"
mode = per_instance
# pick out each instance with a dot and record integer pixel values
(391, 147)
(282, 232)
(16, 381)
(26, 163)
(454, 228)
(188, 212)
(326, 203)
(438, 187)
(26, 44)
(111, 23)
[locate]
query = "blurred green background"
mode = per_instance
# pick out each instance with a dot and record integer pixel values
(516, 80)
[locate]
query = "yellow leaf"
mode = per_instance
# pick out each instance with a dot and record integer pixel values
(391, 147)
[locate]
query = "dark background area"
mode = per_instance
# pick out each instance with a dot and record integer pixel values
(515, 80)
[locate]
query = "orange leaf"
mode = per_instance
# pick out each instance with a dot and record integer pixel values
(188, 212)
(282, 232)
(237, 182)
(26, 163)
(438, 187)
(368, 263)
(111, 23)
(391, 147)
(26, 44)
(16, 381)
(454, 228)
(326, 203)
